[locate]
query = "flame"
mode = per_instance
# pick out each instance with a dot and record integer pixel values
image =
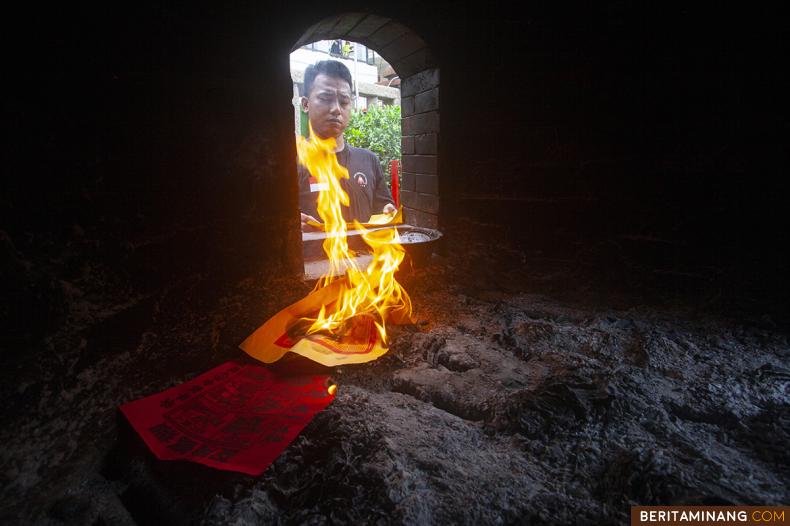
(372, 291)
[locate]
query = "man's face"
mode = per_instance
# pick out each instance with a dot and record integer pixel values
(328, 106)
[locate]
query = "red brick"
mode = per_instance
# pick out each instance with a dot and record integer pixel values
(408, 198)
(422, 81)
(427, 203)
(386, 34)
(407, 145)
(407, 106)
(419, 218)
(421, 164)
(426, 101)
(401, 47)
(421, 123)
(370, 24)
(417, 62)
(409, 182)
(425, 144)
(428, 184)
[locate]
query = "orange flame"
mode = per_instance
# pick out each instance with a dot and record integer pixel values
(372, 291)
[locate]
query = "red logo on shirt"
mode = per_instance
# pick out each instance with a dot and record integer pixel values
(361, 179)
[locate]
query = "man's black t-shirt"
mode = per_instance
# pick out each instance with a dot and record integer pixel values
(367, 191)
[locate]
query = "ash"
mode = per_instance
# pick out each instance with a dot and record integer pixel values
(413, 237)
(530, 391)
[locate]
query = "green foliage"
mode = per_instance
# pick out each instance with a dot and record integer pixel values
(377, 130)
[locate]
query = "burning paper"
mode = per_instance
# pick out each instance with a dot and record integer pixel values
(343, 320)
(374, 221)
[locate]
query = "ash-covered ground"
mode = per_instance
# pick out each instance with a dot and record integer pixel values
(532, 390)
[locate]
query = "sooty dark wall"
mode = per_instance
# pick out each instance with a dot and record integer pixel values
(154, 142)
(151, 145)
(661, 129)
(155, 121)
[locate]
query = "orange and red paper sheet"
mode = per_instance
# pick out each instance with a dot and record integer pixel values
(235, 417)
(280, 334)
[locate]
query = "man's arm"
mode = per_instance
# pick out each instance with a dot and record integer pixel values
(307, 199)
(382, 197)
(305, 226)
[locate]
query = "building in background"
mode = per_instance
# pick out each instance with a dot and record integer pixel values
(373, 76)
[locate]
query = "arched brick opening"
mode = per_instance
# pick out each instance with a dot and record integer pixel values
(409, 55)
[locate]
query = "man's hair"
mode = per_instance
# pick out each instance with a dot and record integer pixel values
(330, 68)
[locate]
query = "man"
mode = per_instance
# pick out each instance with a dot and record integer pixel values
(335, 49)
(327, 101)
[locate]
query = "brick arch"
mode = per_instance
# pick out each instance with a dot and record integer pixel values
(417, 67)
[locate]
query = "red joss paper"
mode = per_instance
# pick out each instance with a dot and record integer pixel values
(235, 417)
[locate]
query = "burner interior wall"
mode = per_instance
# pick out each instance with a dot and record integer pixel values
(156, 144)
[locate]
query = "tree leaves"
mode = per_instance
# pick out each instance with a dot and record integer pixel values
(378, 130)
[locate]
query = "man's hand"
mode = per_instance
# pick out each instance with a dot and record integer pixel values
(305, 219)
(390, 209)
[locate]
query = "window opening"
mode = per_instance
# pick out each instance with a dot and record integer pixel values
(374, 124)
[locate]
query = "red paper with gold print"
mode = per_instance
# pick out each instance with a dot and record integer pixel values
(235, 417)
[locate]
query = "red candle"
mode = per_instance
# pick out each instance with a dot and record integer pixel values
(395, 188)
